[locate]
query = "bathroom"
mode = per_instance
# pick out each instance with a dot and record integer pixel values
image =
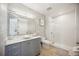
(39, 29)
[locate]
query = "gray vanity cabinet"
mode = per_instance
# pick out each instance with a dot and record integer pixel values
(35, 46)
(25, 48)
(13, 49)
(31, 47)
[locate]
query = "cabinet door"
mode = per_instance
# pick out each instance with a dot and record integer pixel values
(35, 46)
(13, 50)
(26, 48)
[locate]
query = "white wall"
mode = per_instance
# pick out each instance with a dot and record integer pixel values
(63, 28)
(3, 27)
(77, 21)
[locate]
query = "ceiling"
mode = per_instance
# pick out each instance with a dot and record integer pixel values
(49, 9)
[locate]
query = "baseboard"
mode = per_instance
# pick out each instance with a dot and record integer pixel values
(68, 48)
(65, 47)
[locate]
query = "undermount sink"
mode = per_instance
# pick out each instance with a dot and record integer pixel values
(20, 37)
(26, 37)
(16, 39)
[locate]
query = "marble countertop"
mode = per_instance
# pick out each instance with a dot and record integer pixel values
(17, 39)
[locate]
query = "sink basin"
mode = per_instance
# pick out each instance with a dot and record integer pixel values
(18, 37)
(26, 37)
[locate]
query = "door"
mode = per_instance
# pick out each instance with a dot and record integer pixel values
(35, 46)
(25, 49)
(52, 31)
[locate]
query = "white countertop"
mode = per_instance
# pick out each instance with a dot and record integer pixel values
(17, 39)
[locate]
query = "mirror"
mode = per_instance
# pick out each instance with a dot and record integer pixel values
(22, 27)
(19, 25)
